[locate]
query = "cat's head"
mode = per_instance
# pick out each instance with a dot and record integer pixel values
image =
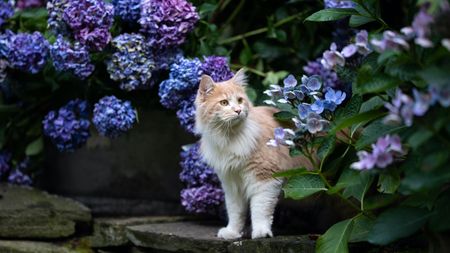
(221, 105)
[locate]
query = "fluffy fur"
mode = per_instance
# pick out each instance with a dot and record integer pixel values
(234, 136)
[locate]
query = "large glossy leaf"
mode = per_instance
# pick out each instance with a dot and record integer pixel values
(358, 20)
(397, 223)
(361, 228)
(373, 131)
(302, 186)
(330, 14)
(369, 82)
(35, 147)
(358, 188)
(440, 220)
(335, 240)
(357, 119)
(388, 182)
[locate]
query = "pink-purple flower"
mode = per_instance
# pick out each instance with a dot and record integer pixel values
(384, 152)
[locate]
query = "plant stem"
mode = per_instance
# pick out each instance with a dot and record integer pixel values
(338, 193)
(260, 30)
(254, 71)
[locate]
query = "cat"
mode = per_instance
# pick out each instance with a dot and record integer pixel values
(233, 141)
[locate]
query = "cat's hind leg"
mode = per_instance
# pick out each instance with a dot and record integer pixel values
(237, 208)
(263, 199)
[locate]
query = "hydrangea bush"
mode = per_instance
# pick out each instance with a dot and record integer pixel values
(362, 88)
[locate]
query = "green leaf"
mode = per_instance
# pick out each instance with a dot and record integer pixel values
(379, 201)
(245, 56)
(335, 240)
(388, 182)
(35, 147)
(274, 77)
(375, 84)
(371, 104)
(251, 93)
(359, 187)
(361, 228)
(302, 186)
(440, 220)
(373, 131)
(330, 14)
(292, 172)
(397, 223)
(350, 109)
(326, 147)
(357, 119)
(435, 75)
(284, 116)
(358, 20)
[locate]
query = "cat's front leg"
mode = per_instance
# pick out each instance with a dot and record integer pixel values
(264, 198)
(236, 209)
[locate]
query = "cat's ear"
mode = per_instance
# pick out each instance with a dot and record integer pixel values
(206, 85)
(240, 78)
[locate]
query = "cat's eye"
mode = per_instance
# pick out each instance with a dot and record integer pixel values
(224, 102)
(240, 100)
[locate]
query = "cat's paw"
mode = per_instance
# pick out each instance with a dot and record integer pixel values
(228, 234)
(261, 233)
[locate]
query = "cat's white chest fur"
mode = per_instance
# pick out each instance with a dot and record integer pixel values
(229, 154)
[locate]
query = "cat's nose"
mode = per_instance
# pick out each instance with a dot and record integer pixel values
(238, 111)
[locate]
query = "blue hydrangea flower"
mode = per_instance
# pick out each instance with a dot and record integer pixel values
(74, 58)
(127, 10)
(3, 66)
(19, 178)
(202, 199)
(195, 172)
(132, 63)
(315, 123)
(90, 21)
(312, 83)
(339, 4)
(167, 22)
(28, 52)
(5, 160)
(6, 12)
(328, 76)
(186, 115)
(55, 22)
(317, 106)
(68, 128)
(112, 116)
(290, 82)
(217, 68)
(172, 92)
(304, 110)
(187, 70)
(282, 136)
(164, 57)
(333, 98)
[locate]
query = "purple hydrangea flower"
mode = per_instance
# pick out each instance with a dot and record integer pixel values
(55, 22)
(74, 58)
(68, 128)
(384, 151)
(167, 22)
(6, 12)
(132, 63)
(421, 28)
(19, 178)
(112, 116)
(186, 115)
(282, 136)
(90, 21)
(403, 108)
(328, 76)
(313, 83)
(440, 94)
(164, 57)
(362, 42)
(5, 160)
(202, 199)
(290, 82)
(172, 92)
(390, 41)
(195, 172)
(315, 123)
(217, 68)
(25, 4)
(332, 58)
(339, 4)
(28, 52)
(127, 10)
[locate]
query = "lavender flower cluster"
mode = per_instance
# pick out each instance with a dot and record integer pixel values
(403, 108)
(74, 58)
(25, 4)
(132, 63)
(329, 76)
(55, 22)
(313, 101)
(112, 116)
(203, 199)
(26, 52)
(68, 128)
(16, 175)
(384, 151)
(178, 92)
(167, 22)
(6, 12)
(127, 10)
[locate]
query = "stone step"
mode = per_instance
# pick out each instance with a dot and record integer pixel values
(29, 213)
(34, 247)
(200, 236)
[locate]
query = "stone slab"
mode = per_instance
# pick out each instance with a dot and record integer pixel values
(111, 232)
(26, 212)
(33, 247)
(196, 236)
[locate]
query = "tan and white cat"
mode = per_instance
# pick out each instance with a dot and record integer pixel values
(234, 134)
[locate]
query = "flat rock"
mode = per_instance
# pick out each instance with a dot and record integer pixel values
(111, 232)
(32, 247)
(26, 212)
(199, 237)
